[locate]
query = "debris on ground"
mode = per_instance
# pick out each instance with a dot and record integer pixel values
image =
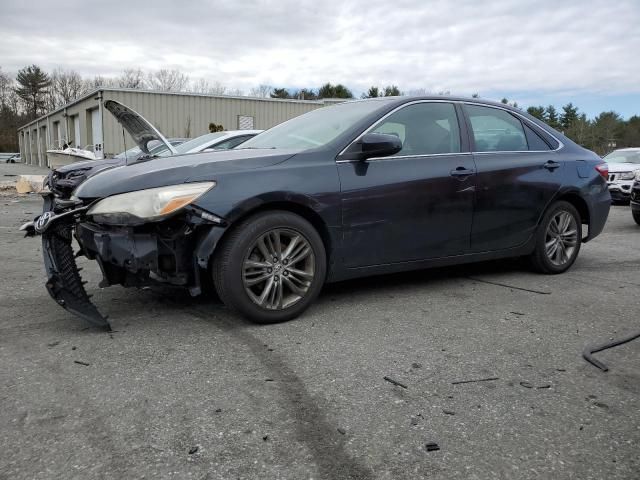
(53, 344)
(395, 382)
(30, 183)
(526, 385)
(341, 431)
(489, 379)
(588, 352)
(448, 412)
(530, 290)
(265, 438)
(432, 446)
(416, 365)
(79, 362)
(193, 450)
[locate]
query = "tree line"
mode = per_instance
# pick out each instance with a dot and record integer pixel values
(32, 92)
(606, 132)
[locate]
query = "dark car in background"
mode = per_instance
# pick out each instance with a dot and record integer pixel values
(150, 144)
(635, 199)
(355, 189)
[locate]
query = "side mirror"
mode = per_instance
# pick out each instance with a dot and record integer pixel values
(373, 145)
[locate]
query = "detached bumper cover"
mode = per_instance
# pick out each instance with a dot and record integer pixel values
(64, 283)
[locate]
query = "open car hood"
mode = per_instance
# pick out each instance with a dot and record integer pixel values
(140, 129)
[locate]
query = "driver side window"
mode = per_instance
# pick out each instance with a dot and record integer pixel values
(424, 129)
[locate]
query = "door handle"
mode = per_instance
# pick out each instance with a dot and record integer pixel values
(461, 172)
(551, 165)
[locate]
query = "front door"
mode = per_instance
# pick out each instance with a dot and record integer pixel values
(416, 204)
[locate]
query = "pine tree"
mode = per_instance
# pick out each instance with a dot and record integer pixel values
(569, 116)
(33, 84)
(552, 117)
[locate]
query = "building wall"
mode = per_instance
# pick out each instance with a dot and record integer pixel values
(175, 115)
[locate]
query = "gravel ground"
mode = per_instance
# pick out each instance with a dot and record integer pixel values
(185, 389)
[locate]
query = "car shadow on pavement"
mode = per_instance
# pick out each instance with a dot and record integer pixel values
(425, 277)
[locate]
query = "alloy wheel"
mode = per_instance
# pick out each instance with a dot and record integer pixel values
(278, 269)
(561, 238)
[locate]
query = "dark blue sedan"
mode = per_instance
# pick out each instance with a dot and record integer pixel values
(355, 189)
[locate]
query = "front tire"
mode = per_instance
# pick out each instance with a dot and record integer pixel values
(558, 239)
(270, 267)
(636, 216)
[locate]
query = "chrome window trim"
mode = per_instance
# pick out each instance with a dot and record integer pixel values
(399, 107)
(452, 102)
(523, 118)
(395, 157)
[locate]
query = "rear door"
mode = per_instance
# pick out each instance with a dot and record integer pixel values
(517, 176)
(416, 204)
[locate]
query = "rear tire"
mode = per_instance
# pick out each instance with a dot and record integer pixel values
(270, 267)
(558, 239)
(636, 217)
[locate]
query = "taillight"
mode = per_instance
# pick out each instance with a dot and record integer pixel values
(603, 170)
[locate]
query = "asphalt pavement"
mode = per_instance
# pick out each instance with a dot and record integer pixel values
(183, 388)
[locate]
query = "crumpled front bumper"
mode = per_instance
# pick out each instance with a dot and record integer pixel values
(64, 282)
(172, 252)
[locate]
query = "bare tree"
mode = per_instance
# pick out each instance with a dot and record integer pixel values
(199, 86)
(168, 80)
(261, 91)
(130, 78)
(217, 89)
(99, 81)
(66, 86)
(420, 92)
(6, 88)
(203, 86)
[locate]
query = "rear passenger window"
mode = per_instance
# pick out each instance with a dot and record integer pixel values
(496, 130)
(534, 140)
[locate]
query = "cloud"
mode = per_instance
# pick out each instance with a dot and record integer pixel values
(463, 46)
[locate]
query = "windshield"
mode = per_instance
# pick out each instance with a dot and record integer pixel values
(198, 141)
(313, 129)
(155, 146)
(623, 156)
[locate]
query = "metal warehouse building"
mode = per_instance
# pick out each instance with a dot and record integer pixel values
(84, 122)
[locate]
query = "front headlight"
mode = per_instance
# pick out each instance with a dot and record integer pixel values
(148, 205)
(627, 175)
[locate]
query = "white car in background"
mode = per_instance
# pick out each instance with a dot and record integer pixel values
(210, 142)
(623, 165)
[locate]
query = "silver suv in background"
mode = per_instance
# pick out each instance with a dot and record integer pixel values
(623, 165)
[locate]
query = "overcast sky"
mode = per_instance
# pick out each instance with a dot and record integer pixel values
(587, 51)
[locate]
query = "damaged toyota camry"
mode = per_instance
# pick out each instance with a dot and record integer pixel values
(355, 189)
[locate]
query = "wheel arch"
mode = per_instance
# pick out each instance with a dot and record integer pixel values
(208, 251)
(579, 203)
(574, 198)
